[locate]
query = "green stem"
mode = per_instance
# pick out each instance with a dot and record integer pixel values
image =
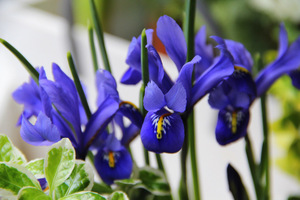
(190, 125)
(160, 164)
(265, 151)
(145, 79)
(99, 33)
(192, 149)
(78, 86)
(93, 49)
(183, 192)
(253, 167)
(32, 71)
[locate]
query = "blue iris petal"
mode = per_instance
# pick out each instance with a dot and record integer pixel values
(287, 62)
(106, 86)
(154, 98)
(42, 133)
(204, 50)
(176, 98)
(295, 76)
(283, 40)
(132, 113)
(212, 76)
(122, 164)
(171, 35)
(185, 76)
(131, 76)
(171, 137)
(100, 119)
(240, 54)
(231, 125)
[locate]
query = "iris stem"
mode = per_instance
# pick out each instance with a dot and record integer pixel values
(253, 167)
(93, 49)
(265, 163)
(145, 79)
(78, 86)
(99, 33)
(183, 192)
(189, 28)
(32, 71)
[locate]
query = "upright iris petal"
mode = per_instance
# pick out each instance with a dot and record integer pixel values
(288, 60)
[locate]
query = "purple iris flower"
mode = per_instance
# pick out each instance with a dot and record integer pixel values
(65, 118)
(235, 95)
(171, 35)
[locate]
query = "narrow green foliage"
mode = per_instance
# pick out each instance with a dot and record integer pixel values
(32, 71)
(236, 185)
(93, 49)
(99, 33)
(79, 86)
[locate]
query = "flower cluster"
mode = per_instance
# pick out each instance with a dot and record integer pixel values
(226, 77)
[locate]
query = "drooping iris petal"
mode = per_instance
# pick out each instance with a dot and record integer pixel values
(171, 35)
(131, 77)
(162, 132)
(176, 98)
(106, 86)
(100, 119)
(42, 133)
(113, 165)
(132, 112)
(231, 125)
(289, 61)
(204, 50)
(28, 94)
(295, 76)
(212, 76)
(154, 98)
(218, 97)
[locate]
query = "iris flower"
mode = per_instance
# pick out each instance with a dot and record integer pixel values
(234, 96)
(64, 118)
(167, 102)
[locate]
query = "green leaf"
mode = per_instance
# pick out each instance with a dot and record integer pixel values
(14, 177)
(36, 167)
(236, 185)
(83, 196)
(59, 163)
(118, 196)
(154, 181)
(81, 179)
(102, 188)
(31, 193)
(10, 153)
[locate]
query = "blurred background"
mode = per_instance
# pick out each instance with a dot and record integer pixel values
(44, 30)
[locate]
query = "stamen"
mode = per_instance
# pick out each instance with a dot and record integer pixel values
(111, 159)
(241, 69)
(161, 124)
(234, 122)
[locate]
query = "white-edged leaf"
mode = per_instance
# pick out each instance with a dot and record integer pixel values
(36, 167)
(83, 196)
(10, 153)
(59, 163)
(31, 193)
(14, 177)
(81, 179)
(118, 196)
